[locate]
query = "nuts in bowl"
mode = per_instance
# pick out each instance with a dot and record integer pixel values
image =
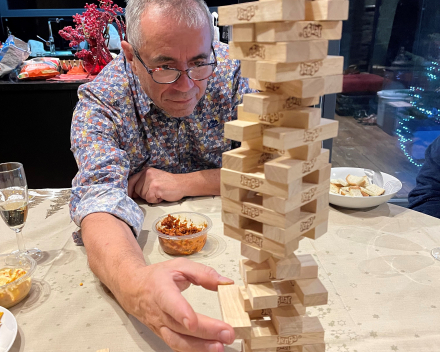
(182, 233)
(15, 278)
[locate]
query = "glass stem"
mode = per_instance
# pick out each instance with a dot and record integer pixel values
(20, 240)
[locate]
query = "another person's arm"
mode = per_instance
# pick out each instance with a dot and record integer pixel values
(425, 197)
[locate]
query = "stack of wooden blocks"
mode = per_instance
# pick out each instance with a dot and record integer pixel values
(275, 186)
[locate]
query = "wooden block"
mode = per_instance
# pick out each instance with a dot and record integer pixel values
(286, 321)
(244, 32)
(253, 273)
(243, 130)
(280, 52)
(287, 296)
(258, 11)
(283, 72)
(286, 170)
(292, 31)
(333, 84)
(235, 220)
(236, 346)
(318, 231)
(287, 138)
(299, 266)
(317, 205)
(262, 296)
(267, 102)
(249, 68)
(311, 292)
(326, 10)
(234, 193)
(232, 313)
(254, 253)
(257, 144)
(301, 88)
(256, 181)
(244, 299)
(301, 117)
(257, 212)
(304, 348)
(318, 347)
(319, 176)
(264, 334)
(305, 152)
(245, 160)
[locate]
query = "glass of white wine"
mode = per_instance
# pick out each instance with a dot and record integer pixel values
(14, 203)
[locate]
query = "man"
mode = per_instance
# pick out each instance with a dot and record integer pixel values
(425, 197)
(154, 117)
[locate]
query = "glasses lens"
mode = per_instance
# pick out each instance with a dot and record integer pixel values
(165, 76)
(201, 72)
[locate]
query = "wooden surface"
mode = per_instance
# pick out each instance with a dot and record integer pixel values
(363, 146)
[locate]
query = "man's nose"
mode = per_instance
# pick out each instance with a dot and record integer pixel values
(184, 83)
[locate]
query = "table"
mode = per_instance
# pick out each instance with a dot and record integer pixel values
(384, 286)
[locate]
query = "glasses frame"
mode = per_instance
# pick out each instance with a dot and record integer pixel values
(187, 71)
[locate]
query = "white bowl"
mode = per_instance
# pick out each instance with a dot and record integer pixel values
(391, 184)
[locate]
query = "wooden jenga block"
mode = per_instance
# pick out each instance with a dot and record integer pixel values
(326, 10)
(317, 205)
(245, 160)
(257, 212)
(257, 144)
(237, 221)
(256, 181)
(244, 32)
(311, 292)
(244, 299)
(302, 117)
(317, 231)
(286, 321)
(305, 152)
(333, 84)
(253, 273)
(243, 130)
(264, 334)
(304, 348)
(292, 31)
(286, 170)
(287, 296)
(309, 191)
(274, 10)
(232, 313)
(299, 266)
(280, 52)
(255, 254)
(287, 138)
(319, 176)
(268, 103)
(236, 346)
(283, 72)
(234, 193)
(262, 296)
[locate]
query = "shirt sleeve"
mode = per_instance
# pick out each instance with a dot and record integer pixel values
(425, 197)
(101, 182)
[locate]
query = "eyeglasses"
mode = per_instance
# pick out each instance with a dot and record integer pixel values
(171, 75)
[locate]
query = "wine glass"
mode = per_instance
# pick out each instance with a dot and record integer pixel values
(435, 252)
(14, 203)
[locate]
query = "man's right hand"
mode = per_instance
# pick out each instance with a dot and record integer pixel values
(158, 303)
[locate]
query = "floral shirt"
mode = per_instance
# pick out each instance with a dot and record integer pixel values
(117, 130)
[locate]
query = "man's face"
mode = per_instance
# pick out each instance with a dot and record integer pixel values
(167, 44)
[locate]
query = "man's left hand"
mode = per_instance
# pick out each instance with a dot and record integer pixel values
(155, 185)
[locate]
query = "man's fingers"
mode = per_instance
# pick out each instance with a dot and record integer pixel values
(132, 183)
(183, 343)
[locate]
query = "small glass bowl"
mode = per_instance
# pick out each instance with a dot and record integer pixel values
(15, 291)
(187, 244)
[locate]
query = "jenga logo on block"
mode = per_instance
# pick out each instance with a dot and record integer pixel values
(256, 51)
(265, 157)
(266, 312)
(310, 136)
(271, 118)
(284, 301)
(309, 68)
(273, 150)
(288, 340)
(246, 14)
(306, 196)
(305, 225)
(271, 86)
(312, 29)
(291, 103)
(308, 165)
(250, 238)
(250, 211)
(250, 182)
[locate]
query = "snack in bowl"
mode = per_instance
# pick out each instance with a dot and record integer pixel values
(182, 233)
(15, 278)
(355, 186)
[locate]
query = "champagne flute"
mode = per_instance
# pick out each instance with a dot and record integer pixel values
(14, 203)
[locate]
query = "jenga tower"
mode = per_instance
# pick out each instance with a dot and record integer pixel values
(275, 187)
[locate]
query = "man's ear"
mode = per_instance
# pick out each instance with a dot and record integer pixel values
(128, 52)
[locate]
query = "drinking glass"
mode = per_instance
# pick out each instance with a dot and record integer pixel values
(435, 252)
(14, 203)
